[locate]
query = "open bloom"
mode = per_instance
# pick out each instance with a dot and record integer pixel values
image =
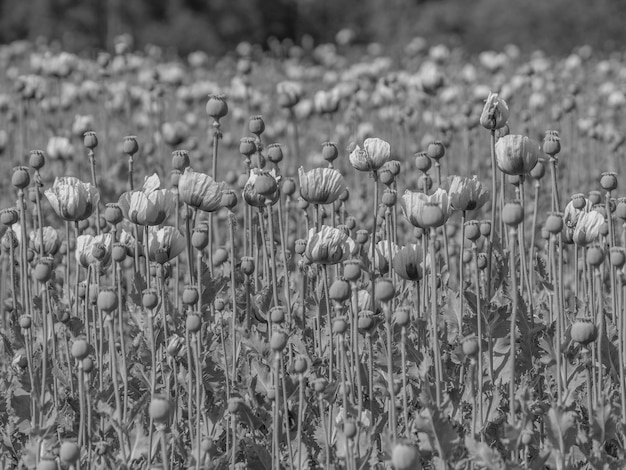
(495, 112)
(383, 254)
(321, 185)
(51, 241)
(200, 191)
(516, 154)
(588, 228)
(165, 243)
(90, 249)
(466, 193)
(148, 206)
(72, 199)
(407, 263)
(251, 192)
(374, 154)
(578, 205)
(328, 246)
(414, 203)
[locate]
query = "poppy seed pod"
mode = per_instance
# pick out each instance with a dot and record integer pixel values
(180, 160)
(193, 323)
(69, 453)
(36, 159)
(9, 216)
(384, 290)
(160, 409)
(539, 170)
(190, 295)
(216, 106)
(617, 256)
(130, 145)
(25, 322)
(551, 143)
(278, 341)
(149, 298)
(620, 209)
(274, 153)
(277, 315)
(366, 321)
(247, 146)
(43, 269)
(20, 178)
(423, 161)
(90, 140)
(436, 150)
(352, 270)
(584, 331)
(329, 151)
(265, 185)
(608, 181)
(362, 236)
(595, 256)
(80, 349)
(402, 317)
(472, 230)
(289, 187)
(513, 213)
(516, 154)
(200, 237)
(107, 299)
(256, 125)
(119, 252)
(595, 197)
(229, 199)
(340, 325)
(300, 246)
(390, 196)
(247, 265)
(340, 290)
(404, 456)
(386, 177)
(113, 213)
(554, 222)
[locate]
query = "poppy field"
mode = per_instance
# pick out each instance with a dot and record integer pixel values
(307, 257)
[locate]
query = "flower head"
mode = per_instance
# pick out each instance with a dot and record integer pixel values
(374, 154)
(90, 249)
(51, 241)
(414, 205)
(588, 228)
(516, 154)
(328, 246)
(72, 199)
(148, 206)
(321, 185)
(407, 263)
(466, 193)
(164, 243)
(495, 112)
(200, 191)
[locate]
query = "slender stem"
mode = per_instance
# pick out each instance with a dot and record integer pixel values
(494, 202)
(515, 294)
(434, 314)
(390, 384)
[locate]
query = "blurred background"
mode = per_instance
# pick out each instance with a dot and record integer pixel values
(216, 26)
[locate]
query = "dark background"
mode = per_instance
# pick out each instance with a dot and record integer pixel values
(215, 26)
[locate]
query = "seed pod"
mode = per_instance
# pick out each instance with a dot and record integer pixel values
(256, 125)
(608, 181)
(472, 230)
(404, 457)
(190, 295)
(423, 162)
(69, 453)
(107, 299)
(584, 331)
(20, 178)
(278, 341)
(130, 145)
(513, 213)
(160, 409)
(90, 140)
(340, 290)
(384, 289)
(193, 323)
(80, 349)
(37, 159)
(216, 106)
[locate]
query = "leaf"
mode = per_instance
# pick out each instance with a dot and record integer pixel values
(483, 455)
(440, 431)
(561, 429)
(137, 287)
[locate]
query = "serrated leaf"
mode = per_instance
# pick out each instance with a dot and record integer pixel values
(483, 455)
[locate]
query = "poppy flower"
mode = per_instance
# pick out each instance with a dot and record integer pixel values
(200, 191)
(165, 243)
(90, 249)
(51, 241)
(72, 199)
(407, 263)
(588, 228)
(321, 185)
(516, 154)
(466, 193)
(148, 206)
(328, 246)
(256, 192)
(416, 207)
(374, 154)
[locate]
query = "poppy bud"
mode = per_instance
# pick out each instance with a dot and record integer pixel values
(278, 341)
(247, 265)
(277, 315)
(495, 113)
(130, 145)
(216, 106)
(340, 290)
(539, 170)
(300, 365)
(584, 331)
(219, 304)
(193, 323)
(107, 299)
(36, 159)
(25, 322)
(80, 349)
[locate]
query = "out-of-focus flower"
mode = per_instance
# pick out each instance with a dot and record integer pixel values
(90, 249)
(148, 206)
(165, 243)
(407, 263)
(574, 208)
(174, 133)
(82, 124)
(364, 300)
(326, 102)
(516, 154)
(201, 191)
(588, 228)
(256, 196)
(466, 193)
(289, 93)
(383, 254)
(321, 185)
(60, 148)
(72, 199)
(51, 241)
(328, 246)
(414, 205)
(495, 112)
(374, 154)
(431, 78)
